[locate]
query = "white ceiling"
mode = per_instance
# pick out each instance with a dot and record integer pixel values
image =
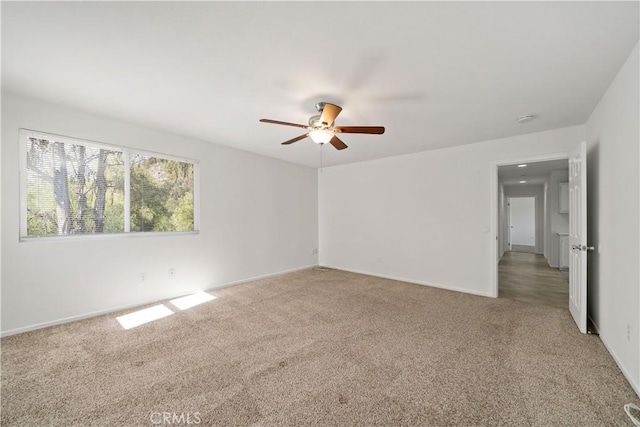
(534, 173)
(435, 74)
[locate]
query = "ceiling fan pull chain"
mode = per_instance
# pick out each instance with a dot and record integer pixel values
(321, 147)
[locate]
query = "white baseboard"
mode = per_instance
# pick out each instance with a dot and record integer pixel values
(414, 281)
(626, 374)
(613, 354)
(595, 325)
(264, 276)
(139, 304)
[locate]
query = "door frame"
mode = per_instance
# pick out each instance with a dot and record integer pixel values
(507, 220)
(494, 209)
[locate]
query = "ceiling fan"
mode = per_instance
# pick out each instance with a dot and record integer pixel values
(321, 127)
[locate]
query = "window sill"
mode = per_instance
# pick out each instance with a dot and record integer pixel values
(133, 234)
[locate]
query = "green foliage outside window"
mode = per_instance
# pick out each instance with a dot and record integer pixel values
(79, 189)
(161, 194)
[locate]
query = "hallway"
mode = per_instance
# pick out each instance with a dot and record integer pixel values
(527, 277)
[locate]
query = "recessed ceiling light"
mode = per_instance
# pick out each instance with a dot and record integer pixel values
(526, 118)
(523, 182)
(522, 165)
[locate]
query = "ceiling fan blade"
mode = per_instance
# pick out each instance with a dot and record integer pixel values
(329, 113)
(336, 142)
(296, 139)
(276, 122)
(377, 130)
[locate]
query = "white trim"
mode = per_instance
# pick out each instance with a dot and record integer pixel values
(493, 201)
(68, 139)
(533, 159)
(126, 157)
(140, 304)
(22, 182)
(263, 276)
(595, 325)
(626, 374)
(103, 145)
(102, 236)
(494, 234)
(414, 281)
(196, 196)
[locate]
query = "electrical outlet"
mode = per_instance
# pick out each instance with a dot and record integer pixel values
(314, 252)
(629, 330)
(142, 277)
(172, 272)
(379, 260)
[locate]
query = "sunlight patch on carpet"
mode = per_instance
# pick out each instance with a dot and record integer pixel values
(192, 300)
(146, 315)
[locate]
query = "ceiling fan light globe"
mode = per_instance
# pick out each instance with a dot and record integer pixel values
(321, 136)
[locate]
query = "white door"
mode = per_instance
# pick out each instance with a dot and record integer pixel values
(522, 220)
(578, 236)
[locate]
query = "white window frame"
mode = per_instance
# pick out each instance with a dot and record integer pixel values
(25, 134)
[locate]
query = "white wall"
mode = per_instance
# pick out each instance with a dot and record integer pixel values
(613, 139)
(258, 217)
(537, 192)
(557, 222)
(428, 216)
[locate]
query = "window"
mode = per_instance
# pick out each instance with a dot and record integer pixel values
(75, 187)
(161, 194)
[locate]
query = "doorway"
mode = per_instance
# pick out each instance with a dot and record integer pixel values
(525, 273)
(522, 224)
(576, 183)
(527, 231)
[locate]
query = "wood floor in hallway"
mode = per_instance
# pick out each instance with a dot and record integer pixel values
(527, 277)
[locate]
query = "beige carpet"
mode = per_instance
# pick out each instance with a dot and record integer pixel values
(319, 348)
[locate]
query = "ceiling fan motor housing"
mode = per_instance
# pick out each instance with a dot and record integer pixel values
(316, 122)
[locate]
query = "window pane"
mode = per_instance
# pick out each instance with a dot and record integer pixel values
(73, 189)
(161, 194)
